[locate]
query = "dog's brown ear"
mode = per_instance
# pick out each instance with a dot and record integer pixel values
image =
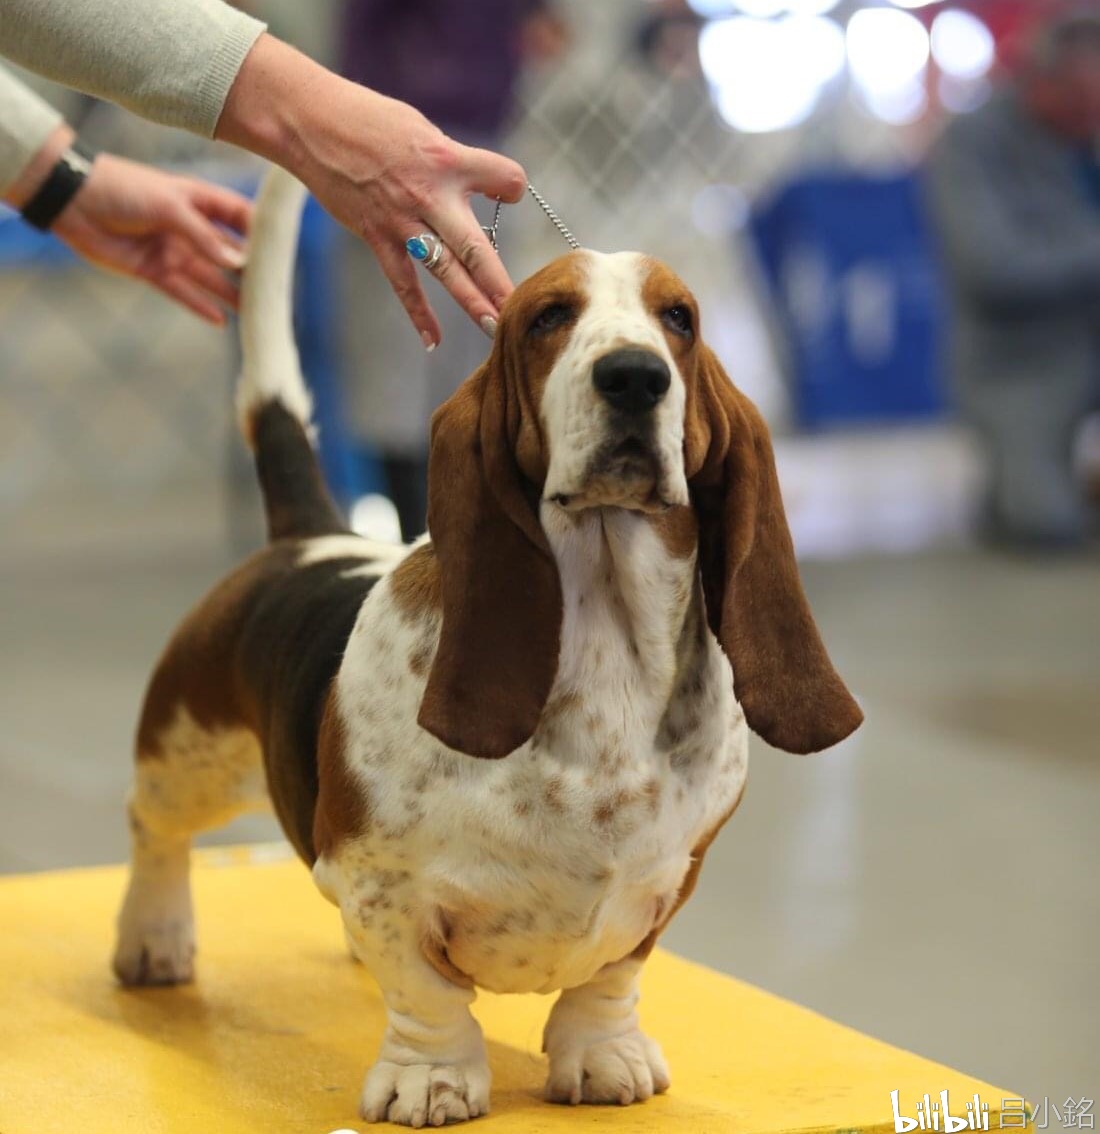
(756, 607)
(502, 607)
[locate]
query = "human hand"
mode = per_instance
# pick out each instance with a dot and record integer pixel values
(177, 233)
(381, 169)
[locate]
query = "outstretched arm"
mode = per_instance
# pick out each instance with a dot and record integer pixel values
(377, 165)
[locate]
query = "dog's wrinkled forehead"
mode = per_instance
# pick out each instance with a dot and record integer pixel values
(589, 303)
(623, 286)
(626, 292)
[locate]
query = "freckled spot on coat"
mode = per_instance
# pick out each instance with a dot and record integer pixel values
(604, 812)
(652, 793)
(612, 758)
(499, 926)
(562, 703)
(521, 962)
(522, 807)
(420, 659)
(551, 793)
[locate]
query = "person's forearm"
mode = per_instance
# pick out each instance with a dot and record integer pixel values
(168, 60)
(263, 110)
(277, 108)
(26, 124)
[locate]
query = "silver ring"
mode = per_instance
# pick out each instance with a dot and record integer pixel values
(425, 248)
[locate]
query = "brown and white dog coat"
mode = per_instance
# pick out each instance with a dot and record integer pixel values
(504, 750)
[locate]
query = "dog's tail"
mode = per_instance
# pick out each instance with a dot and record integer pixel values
(274, 407)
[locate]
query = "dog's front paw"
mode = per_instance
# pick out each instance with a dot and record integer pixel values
(422, 1094)
(618, 1069)
(156, 936)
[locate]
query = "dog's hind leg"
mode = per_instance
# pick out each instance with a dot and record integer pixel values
(190, 779)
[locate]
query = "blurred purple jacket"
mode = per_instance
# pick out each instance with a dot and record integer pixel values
(456, 61)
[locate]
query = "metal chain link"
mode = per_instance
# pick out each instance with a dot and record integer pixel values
(490, 230)
(555, 220)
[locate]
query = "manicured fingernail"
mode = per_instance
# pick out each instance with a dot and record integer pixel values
(428, 341)
(489, 325)
(233, 258)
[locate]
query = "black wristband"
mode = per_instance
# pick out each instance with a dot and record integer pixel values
(60, 187)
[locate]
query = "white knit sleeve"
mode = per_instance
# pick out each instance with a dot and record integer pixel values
(171, 61)
(26, 121)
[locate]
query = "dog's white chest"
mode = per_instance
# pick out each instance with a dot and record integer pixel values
(534, 871)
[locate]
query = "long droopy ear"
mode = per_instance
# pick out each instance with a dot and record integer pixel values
(756, 607)
(502, 606)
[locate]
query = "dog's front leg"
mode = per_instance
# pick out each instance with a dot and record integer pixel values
(432, 1066)
(598, 1053)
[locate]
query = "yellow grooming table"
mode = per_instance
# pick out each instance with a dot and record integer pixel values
(279, 1028)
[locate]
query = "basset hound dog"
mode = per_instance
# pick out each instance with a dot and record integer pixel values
(504, 750)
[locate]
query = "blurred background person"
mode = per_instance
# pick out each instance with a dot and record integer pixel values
(1015, 189)
(460, 67)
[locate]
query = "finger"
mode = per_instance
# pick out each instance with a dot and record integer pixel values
(466, 241)
(492, 174)
(189, 295)
(401, 272)
(206, 237)
(222, 205)
(214, 281)
(449, 271)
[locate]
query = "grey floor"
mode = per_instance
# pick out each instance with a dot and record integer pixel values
(933, 881)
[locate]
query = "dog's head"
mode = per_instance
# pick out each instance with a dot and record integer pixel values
(599, 392)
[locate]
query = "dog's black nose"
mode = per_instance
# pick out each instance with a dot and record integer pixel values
(632, 380)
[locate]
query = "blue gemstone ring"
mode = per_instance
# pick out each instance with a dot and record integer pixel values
(425, 248)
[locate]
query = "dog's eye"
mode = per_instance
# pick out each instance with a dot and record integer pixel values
(677, 319)
(556, 315)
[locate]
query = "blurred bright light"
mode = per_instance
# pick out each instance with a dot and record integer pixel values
(886, 48)
(769, 74)
(375, 517)
(888, 55)
(811, 7)
(913, 3)
(962, 45)
(898, 105)
(712, 9)
(762, 9)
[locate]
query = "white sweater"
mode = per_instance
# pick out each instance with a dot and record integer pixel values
(171, 61)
